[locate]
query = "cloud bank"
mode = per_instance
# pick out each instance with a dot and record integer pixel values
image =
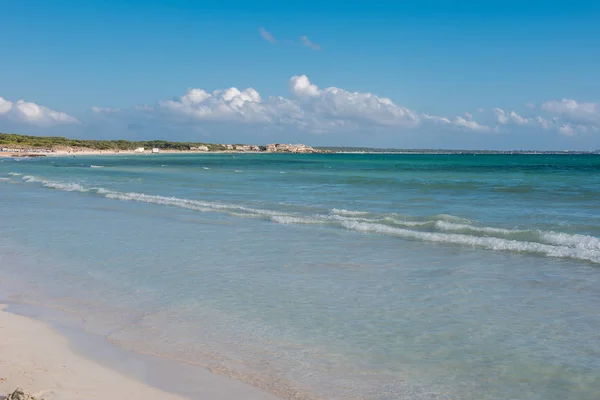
(568, 117)
(309, 108)
(316, 115)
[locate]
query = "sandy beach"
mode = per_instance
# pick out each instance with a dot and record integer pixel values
(39, 360)
(42, 362)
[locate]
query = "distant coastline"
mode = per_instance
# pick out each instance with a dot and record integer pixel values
(15, 145)
(38, 146)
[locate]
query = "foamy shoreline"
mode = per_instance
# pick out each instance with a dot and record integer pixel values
(38, 359)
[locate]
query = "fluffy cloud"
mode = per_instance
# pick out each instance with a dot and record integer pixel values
(503, 117)
(314, 109)
(306, 42)
(267, 35)
(231, 105)
(32, 113)
(309, 108)
(300, 86)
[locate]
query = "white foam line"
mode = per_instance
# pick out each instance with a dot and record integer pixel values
(557, 244)
(67, 187)
(485, 242)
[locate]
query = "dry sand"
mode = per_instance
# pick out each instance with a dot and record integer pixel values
(41, 361)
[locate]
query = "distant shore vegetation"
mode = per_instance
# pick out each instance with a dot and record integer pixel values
(53, 142)
(12, 140)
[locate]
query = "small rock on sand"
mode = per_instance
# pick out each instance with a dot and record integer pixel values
(19, 394)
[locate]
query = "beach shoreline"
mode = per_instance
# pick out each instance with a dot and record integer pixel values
(47, 363)
(116, 153)
(39, 360)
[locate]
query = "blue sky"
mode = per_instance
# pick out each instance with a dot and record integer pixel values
(438, 74)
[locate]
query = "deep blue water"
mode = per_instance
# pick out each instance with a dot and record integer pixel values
(344, 276)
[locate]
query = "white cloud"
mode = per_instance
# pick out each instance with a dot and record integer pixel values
(579, 113)
(306, 42)
(5, 106)
(267, 35)
(313, 109)
(459, 122)
(310, 108)
(530, 105)
(518, 119)
(472, 125)
(556, 123)
(503, 118)
(300, 86)
(230, 105)
(338, 103)
(32, 113)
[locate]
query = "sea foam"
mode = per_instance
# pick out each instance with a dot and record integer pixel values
(439, 228)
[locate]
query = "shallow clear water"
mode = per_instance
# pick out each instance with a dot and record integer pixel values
(343, 276)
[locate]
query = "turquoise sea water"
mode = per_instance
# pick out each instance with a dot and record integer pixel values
(336, 276)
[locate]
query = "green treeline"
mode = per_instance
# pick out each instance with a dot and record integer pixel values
(9, 139)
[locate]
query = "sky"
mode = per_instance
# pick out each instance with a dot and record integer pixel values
(469, 74)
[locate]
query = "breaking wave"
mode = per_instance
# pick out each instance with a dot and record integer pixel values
(67, 187)
(486, 242)
(440, 228)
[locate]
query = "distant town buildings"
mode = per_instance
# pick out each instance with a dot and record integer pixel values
(290, 148)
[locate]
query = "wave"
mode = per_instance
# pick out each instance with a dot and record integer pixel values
(491, 243)
(439, 228)
(96, 166)
(337, 211)
(67, 187)
(15, 174)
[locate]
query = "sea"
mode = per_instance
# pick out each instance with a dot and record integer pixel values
(322, 276)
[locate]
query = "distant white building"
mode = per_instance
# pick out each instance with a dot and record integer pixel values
(199, 148)
(155, 150)
(139, 150)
